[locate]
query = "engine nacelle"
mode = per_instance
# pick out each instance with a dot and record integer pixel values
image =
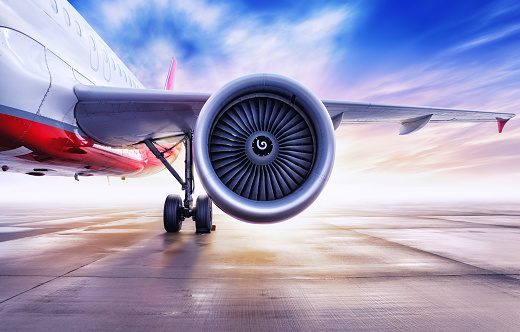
(264, 147)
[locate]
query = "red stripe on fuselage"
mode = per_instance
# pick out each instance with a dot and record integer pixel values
(52, 146)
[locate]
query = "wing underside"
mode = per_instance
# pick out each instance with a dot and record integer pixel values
(123, 116)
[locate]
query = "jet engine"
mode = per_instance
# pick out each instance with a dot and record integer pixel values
(263, 148)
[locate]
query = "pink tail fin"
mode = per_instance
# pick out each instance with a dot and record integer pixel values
(171, 76)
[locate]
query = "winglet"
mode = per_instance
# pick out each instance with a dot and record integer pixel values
(171, 76)
(501, 123)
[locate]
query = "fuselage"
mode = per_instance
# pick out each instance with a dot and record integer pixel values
(46, 48)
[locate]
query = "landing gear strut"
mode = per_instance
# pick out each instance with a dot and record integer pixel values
(174, 211)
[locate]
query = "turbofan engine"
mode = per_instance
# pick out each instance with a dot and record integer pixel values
(263, 148)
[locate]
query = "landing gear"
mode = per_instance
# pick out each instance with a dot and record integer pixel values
(172, 216)
(174, 211)
(203, 217)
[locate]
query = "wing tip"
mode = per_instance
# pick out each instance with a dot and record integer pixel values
(501, 123)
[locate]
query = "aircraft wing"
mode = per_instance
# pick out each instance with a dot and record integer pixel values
(411, 118)
(125, 116)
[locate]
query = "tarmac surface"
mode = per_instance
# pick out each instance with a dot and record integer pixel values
(409, 268)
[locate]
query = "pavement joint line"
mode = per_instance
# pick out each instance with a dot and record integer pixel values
(28, 290)
(483, 225)
(491, 272)
(450, 275)
(71, 271)
(73, 218)
(54, 278)
(305, 278)
(66, 230)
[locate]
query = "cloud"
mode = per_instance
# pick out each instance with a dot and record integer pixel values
(303, 49)
(446, 83)
(459, 152)
(215, 43)
(487, 39)
(118, 13)
(202, 14)
(230, 44)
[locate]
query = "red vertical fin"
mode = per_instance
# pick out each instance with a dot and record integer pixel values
(501, 123)
(171, 76)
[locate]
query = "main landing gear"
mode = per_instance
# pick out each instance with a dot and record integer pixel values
(174, 210)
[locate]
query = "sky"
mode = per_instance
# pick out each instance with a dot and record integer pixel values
(458, 54)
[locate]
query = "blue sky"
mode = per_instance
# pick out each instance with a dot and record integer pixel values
(459, 54)
(358, 39)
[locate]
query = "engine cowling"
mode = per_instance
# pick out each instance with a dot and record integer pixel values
(264, 147)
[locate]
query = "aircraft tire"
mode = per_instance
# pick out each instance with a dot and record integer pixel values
(172, 214)
(203, 215)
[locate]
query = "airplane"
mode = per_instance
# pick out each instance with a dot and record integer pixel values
(263, 145)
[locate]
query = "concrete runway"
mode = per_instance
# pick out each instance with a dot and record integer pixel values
(77, 268)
